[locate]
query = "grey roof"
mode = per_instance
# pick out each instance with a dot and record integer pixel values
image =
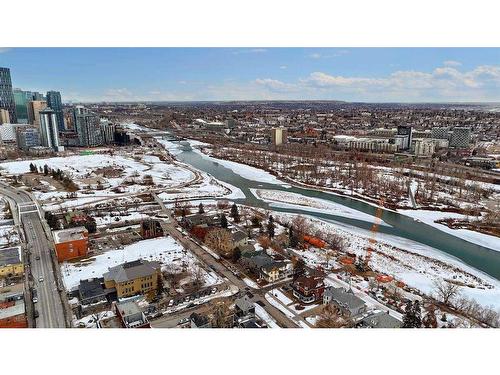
(91, 288)
(260, 260)
(274, 264)
(244, 303)
(131, 270)
(381, 320)
(239, 236)
(9, 256)
(347, 299)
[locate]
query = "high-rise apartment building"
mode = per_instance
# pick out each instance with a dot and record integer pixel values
(278, 136)
(54, 101)
(4, 116)
(460, 137)
(6, 94)
(440, 133)
(49, 134)
(108, 131)
(34, 108)
(88, 128)
(406, 132)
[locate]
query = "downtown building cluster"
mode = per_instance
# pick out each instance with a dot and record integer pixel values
(41, 124)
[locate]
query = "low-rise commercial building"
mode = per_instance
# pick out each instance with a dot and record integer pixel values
(71, 243)
(12, 307)
(10, 262)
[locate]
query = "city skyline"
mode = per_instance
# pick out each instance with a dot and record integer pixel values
(219, 74)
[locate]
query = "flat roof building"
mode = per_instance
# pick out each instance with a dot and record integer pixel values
(71, 243)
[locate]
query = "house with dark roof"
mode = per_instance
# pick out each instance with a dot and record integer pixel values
(131, 278)
(91, 291)
(346, 302)
(199, 321)
(380, 319)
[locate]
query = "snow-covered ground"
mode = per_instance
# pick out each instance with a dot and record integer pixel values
(284, 199)
(163, 249)
(209, 187)
(128, 174)
(411, 262)
(429, 217)
(245, 171)
(262, 313)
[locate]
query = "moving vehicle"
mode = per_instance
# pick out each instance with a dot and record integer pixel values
(40, 279)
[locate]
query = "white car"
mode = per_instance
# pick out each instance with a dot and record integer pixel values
(40, 279)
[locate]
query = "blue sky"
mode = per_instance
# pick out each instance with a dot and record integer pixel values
(351, 74)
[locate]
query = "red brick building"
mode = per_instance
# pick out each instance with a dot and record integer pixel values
(308, 289)
(71, 243)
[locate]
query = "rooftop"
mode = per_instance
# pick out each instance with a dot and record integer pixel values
(17, 308)
(70, 234)
(10, 256)
(131, 270)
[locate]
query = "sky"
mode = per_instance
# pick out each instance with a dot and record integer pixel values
(192, 74)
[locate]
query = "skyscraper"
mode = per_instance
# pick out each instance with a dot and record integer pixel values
(21, 99)
(6, 94)
(49, 134)
(54, 101)
(88, 128)
(34, 108)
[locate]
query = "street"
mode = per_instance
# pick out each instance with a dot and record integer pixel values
(49, 305)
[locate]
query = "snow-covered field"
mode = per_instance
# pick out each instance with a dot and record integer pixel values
(245, 171)
(127, 176)
(411, 262)
(284, 199)
(163, 249)
(429, 217)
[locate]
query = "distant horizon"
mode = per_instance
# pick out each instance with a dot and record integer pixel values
(359, 75)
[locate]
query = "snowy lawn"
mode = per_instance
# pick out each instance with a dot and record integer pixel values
(163, 249)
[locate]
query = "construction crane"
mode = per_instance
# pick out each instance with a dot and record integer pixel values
(374, 230)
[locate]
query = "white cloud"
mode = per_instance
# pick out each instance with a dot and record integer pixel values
(283, 67)
(442, 84)
(4, 49)
(315, 55)
(452, 63)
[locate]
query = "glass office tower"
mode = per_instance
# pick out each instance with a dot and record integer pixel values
(54, 102)
(6, 94)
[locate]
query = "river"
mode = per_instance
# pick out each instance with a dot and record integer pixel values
(479, 257)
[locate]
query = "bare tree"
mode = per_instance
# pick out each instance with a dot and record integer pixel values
(221, 241)
(445, 291)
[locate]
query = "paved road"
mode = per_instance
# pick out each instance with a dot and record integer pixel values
(49, 305)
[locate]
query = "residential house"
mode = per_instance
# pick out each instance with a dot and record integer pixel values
(131, 278)
(91, 291)
(240, 239)
(131, 315)
(253, 261)
(308, 289)
(347, 303)
(380, 320)
(199, 321)
(276, 271)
